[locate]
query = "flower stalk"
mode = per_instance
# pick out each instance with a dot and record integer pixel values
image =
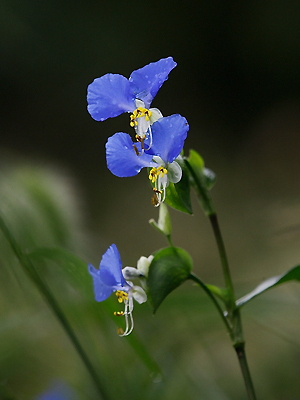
(233, 313)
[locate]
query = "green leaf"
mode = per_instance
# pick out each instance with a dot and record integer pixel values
(202, 179)
(291, 275)
(170, 267)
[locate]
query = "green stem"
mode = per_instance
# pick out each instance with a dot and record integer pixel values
(223, 256)
(240, 351)
(170, 240)
(233, 319)
(233, 312)
(196, 279)
(50, 299)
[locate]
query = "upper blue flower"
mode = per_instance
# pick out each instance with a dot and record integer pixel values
(109, 278)
(113, 94)
(125, 158)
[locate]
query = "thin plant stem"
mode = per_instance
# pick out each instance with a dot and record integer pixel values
(233, 312)
(196, 279)
(50, 299)
(223, 256)
(170, 240)
(240, 351)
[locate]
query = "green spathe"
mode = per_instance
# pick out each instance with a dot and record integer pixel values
(202, 180)
(163, 224)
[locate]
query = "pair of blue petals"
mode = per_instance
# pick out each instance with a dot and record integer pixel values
(113, 94)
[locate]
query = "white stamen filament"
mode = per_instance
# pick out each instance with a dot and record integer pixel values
(151, 141)
(129, 324)
(160, 187)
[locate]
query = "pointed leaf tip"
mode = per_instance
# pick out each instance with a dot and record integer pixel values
(292, 274)
(169, 269)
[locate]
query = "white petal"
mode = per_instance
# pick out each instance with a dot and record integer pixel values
(130, 273)
(143, 265)
(174, 172)
(155, 115)
(142, 126)
(158, 160)
(139, 103)
(139, 294)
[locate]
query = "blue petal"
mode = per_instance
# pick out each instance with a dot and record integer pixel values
(121, 158)
(145, 82)
(111, 267)
(109, 96)
(102, 292)
(168, 134)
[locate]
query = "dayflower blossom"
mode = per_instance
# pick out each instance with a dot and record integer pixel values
(113, 94)
(124, 158)
(108, 279)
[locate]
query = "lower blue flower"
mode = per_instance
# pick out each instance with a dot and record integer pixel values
(109, 278)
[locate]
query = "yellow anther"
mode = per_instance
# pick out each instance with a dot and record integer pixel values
(120, 331)
(118, 313)
(162, 171)
(154, 200)
(121, 296)
(140, 138)
(153, 174)
(138, 113)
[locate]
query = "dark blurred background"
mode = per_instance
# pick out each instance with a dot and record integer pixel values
(237, 82)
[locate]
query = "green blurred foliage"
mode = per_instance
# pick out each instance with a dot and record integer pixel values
(183, 351)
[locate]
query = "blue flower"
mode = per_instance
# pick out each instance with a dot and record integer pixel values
(113, 94)
(109, 278)
(124, 158)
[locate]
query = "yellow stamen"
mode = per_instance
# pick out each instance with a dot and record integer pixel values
(120, 331)
(118, 313)
(139, 113)
(121, 295)
(155, 172)
(140, 139)
(154, 200)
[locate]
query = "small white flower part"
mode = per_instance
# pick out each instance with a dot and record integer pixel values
(143, 265)
(138, 294)
(155, 115)
(131, 273)
(141, 120)
(141, 271)
(161, 176)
